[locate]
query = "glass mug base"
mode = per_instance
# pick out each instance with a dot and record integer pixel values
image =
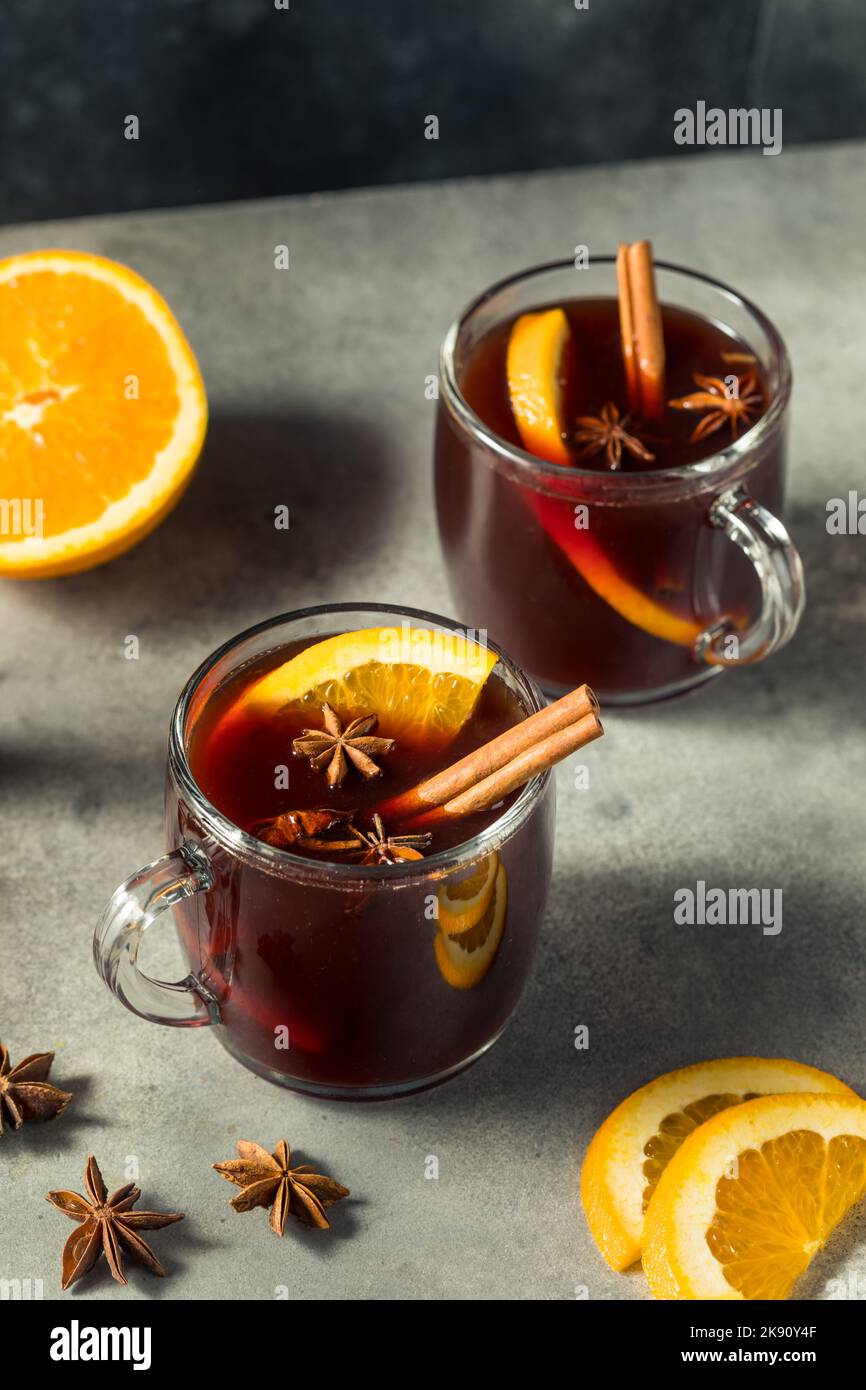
(396, 1090)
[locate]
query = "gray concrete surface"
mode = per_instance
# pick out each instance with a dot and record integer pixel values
(316, 383)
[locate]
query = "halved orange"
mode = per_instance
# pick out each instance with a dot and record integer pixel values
(631, 1150)
(752, 1195)
(535, 361)
(463, 900)
(420, 681)
(102, 411)
(464, 960)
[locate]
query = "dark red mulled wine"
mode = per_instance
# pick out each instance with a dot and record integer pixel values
(331, 971)
(610, 563)
(593, 374)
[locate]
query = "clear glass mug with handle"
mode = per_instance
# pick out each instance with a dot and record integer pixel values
(679, 574)
(333, 979)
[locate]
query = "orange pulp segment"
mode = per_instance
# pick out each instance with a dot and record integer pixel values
(465, 959)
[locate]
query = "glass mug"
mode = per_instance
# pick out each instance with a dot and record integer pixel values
(345, 963)
(507, 520)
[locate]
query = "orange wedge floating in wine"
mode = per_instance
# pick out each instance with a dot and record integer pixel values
(536, 358)
(420, 681)
(465, 959)
(535, 367)
(603, 577)
(102, 411)
(463, 900)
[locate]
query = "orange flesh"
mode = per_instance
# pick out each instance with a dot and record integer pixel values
(812, 1181)
(68, 432)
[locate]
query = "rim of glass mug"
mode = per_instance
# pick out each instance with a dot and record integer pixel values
(241, 843)
(724, 464)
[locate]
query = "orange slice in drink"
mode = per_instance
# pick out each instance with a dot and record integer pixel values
(602, 576)
(535, 367)
(421, 682)
(463, 901)
(752, 1195)
(465, 959)
(631, 1150)
(535, 362)
(102, 411)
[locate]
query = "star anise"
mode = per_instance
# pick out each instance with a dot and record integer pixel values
(329, 747)
(108, 1226)
(310, 830)
(714, 397)
(268, 1181)
(24, 1092)
(608, 433)
(382, 848)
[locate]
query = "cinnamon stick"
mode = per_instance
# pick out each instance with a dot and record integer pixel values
(484, 761)
(626, 329)
(520, 770)
(643, 346)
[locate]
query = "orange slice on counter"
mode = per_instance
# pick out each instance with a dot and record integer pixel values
(463, 901)
(752, 1195)
(465, 959)
(535, 362)
(102, 411)
(631, 1150)
(419, 681)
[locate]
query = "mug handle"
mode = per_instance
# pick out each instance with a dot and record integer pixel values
(134, 907)
(762, 537)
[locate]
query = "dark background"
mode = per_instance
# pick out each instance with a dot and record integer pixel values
(237, 99)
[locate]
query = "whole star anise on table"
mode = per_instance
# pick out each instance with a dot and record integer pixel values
(607, 432)
(268, 1181)
(382, 848)
(330, 747)
(715, 398)
(25, 1094)
(108, 1226)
